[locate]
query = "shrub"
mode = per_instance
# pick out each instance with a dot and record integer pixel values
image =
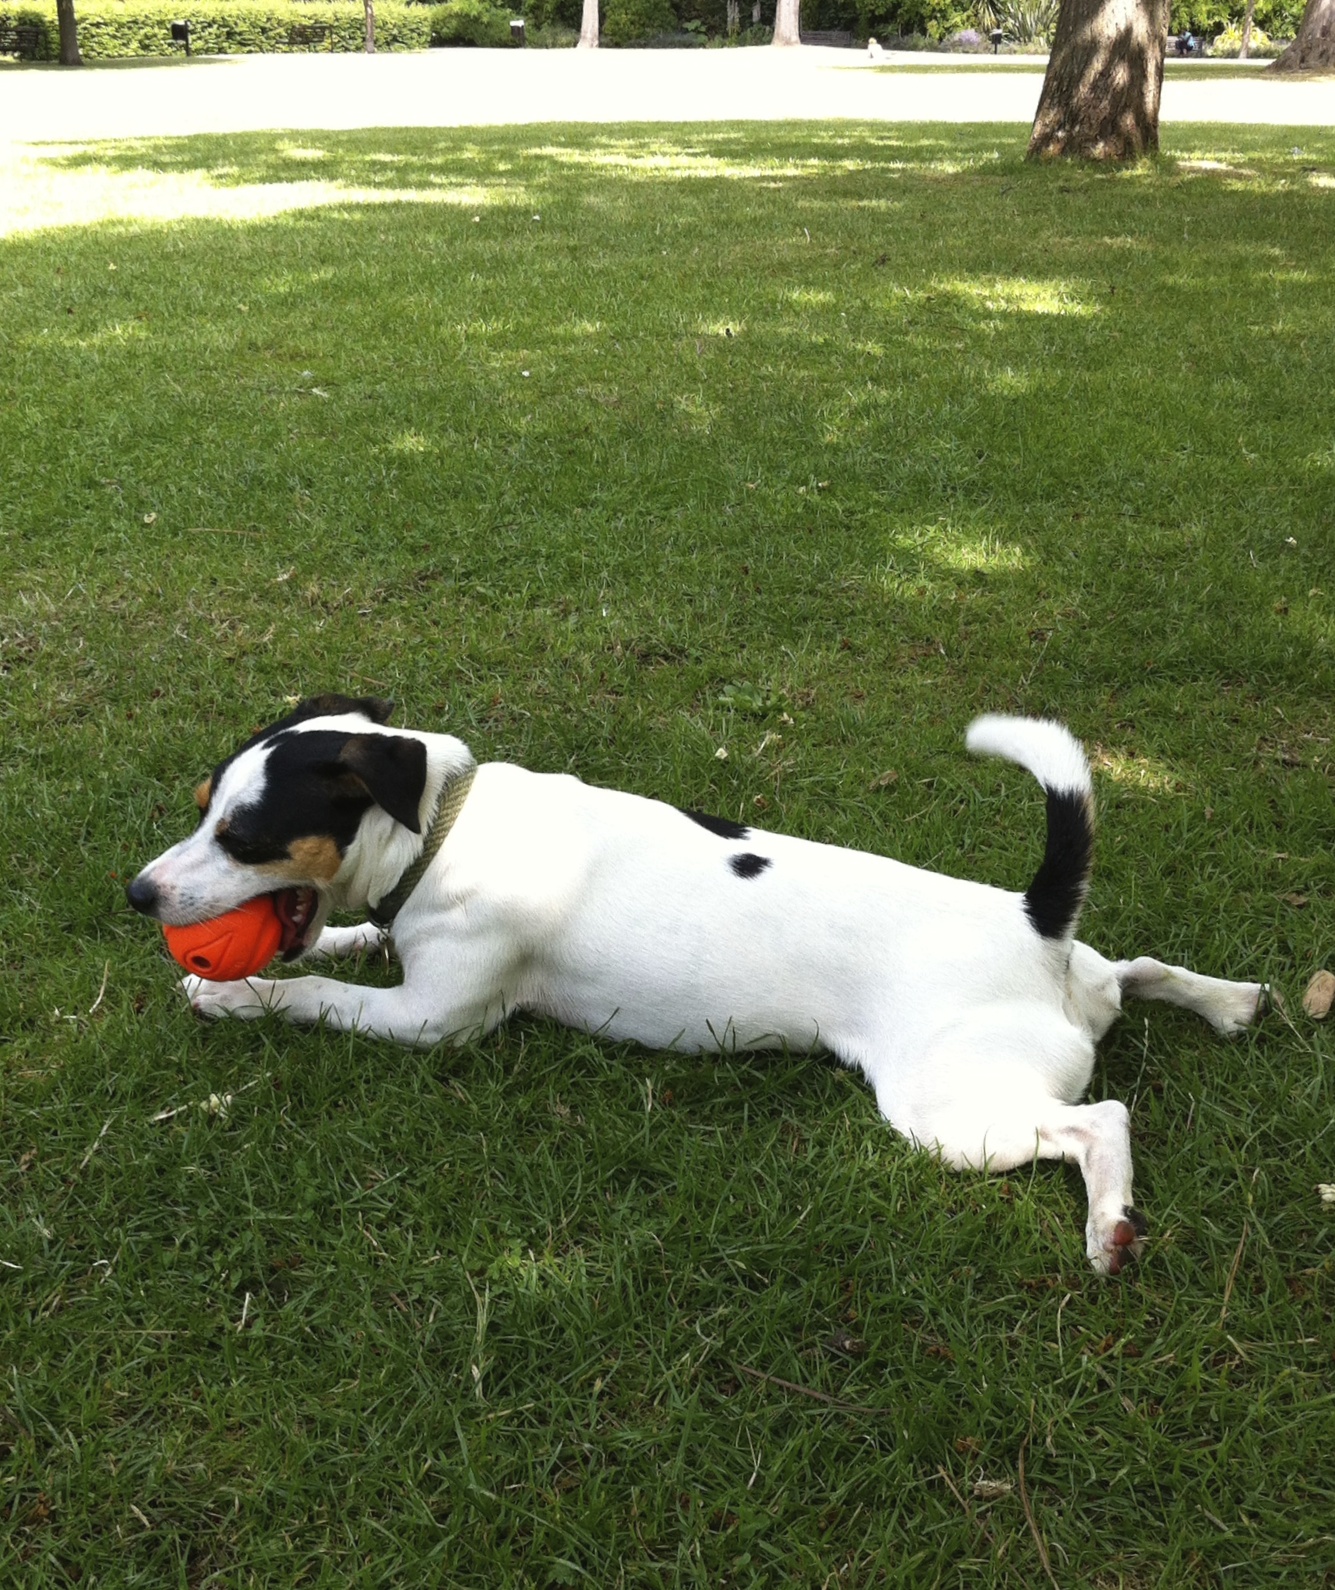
(552, 36)
(633, 21)
(116, 29)
(1022, 21)
(21, 16)
(1229, 42)
(475, 22)
(1206, 18)
(540, 15)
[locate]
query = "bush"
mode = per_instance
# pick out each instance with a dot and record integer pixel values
(1206, 18)
(48, 47)
(475, 22)
(1022, 21)
(116, 29)
(633, 21)
(539, 15)
(551, 36)
(1229, 42)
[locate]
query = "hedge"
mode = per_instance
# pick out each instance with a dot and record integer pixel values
(470, 22)
(114, 29)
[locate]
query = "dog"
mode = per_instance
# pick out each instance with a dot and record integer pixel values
(972, 1011)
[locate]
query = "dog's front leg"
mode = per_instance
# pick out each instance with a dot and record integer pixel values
(342, 943)
(394, 1013)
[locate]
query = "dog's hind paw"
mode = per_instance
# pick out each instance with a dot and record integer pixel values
(1240, 1005)
(1112, 1245)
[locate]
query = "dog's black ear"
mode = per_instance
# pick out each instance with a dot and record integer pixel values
(330, 706)
(392, 768)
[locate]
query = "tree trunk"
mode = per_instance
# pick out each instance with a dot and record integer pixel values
(1245, 47)
(786, 23)
(588, 31)
(1314, 48)
(370, 26)
(734, 17)
(1100, 98)
(69, 33)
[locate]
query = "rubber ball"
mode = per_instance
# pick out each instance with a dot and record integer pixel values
(237, 944)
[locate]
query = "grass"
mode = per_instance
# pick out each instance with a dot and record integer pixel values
(614, 451)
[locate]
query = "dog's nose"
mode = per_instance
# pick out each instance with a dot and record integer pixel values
(141, 894)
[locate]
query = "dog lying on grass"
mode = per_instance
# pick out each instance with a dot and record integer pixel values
(973, 1012)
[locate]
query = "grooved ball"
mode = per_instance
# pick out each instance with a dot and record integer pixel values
(237, 944)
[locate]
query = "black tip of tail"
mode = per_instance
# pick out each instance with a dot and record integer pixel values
(1053, 900)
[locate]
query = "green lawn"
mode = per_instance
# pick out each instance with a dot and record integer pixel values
(617, 451)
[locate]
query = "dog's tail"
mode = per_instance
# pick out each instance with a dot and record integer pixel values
(1055, 758)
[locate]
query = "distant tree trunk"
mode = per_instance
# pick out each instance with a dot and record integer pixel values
(786, 24)
(1245, 47)
(734, 17)
(588, 32)
(1100, 98)
(1314, 48)
(69, 33)
(370, 26)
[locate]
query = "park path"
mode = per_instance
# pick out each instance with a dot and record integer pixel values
(460, 88)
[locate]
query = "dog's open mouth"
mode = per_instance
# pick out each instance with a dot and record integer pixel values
(295, 909)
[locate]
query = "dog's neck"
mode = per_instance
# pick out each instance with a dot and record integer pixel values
(383, 849)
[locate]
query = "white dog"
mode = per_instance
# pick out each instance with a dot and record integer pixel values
(972, 1011)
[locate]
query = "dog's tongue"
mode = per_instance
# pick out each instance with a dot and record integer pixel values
(293, 908)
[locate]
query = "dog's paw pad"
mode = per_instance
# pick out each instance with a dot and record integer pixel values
(1123, 1244)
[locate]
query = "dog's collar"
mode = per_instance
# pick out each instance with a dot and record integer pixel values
(449, 803)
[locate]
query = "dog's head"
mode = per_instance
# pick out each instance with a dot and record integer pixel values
(281, 814)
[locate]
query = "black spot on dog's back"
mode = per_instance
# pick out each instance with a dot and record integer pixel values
(723, 827)
(748, 864)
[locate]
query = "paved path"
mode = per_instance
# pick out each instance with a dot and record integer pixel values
(454, 88)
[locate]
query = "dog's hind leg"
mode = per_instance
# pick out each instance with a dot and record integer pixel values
(992, 1093)
(1096, 1137)
(1228, 1007)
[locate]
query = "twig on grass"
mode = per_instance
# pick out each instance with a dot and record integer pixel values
(1233, 1274)
(106, 972)
(810, 1391)
(968, 1511)
(96, 1143)
(1033, 1522)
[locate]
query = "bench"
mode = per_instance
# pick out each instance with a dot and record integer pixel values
(835, 38)
(309, 35)
(24, 40)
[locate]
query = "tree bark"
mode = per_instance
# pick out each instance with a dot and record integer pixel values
(1314, 48)
(1244, 47)
(734, 17)
(370, 26)
(787, 23)
(588, 32)
(1100, 98)
(69, 33)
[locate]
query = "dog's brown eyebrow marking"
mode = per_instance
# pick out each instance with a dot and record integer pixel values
(317, 856)
(204, 793)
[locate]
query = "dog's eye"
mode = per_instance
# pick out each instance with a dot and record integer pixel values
(249, 851)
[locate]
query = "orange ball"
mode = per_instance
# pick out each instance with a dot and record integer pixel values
(237, 944)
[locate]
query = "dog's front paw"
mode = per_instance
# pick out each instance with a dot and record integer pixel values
(215, 1000)
(1113, 1244)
